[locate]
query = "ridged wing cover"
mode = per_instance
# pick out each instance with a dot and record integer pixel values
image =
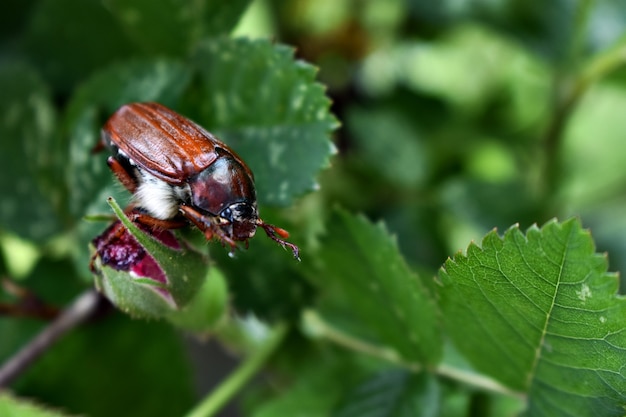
(168, 145)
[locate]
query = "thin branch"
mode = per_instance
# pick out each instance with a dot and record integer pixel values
(79, 311)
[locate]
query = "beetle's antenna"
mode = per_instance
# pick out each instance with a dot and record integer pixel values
(274, 232)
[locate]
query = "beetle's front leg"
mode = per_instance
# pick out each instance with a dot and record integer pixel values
(152, 222)
(209, 225)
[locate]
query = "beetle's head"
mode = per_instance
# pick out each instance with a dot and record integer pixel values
(241, 220)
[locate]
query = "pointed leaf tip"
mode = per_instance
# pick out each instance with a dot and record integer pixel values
(364, 269)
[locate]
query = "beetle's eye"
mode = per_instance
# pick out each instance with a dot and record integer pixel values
(227, 213)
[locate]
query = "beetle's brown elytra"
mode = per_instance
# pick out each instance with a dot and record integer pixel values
(176, 170)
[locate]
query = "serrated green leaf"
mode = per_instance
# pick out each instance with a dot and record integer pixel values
(11, 406)
(269, 108)
(540, 313)
(26, 128)
(364, 272)
(174, 26)
(393, 393)
(148, 80)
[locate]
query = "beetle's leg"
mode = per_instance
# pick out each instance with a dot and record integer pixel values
(274, 232)
(208, 225)
(98, 147)
(152, 222)
(127, 180)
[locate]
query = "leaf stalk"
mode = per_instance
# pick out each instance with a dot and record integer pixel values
(316, 326)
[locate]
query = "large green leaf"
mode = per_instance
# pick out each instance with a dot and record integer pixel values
(269, 108)
(27, 122)
(539, 313)
(174, 26)
(365, 276)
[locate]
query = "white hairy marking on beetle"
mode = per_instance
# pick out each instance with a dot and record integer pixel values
(160, 199)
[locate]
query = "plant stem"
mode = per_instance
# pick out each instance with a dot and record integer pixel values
(476, 380)
(316, 325)
(213, 402)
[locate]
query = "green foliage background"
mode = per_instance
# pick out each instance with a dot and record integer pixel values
(457, 117)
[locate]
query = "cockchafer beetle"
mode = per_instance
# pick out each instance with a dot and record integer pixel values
(178, 172)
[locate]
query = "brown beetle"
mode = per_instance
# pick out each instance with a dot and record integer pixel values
(178, 171)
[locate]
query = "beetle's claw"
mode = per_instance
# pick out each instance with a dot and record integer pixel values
(273, 232)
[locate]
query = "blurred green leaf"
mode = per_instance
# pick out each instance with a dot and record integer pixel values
(389, 144)
(320, 370)
(174, 26)
(269, 108)
(69, 39)
(207, 308)
(148, 80)
(539, 313)
(54, 281)
(11, 406)
(26, 129)
(15, 331)
(596, 133)
(266, 280)
(393, 393)
(607, 23)
(15, 13)
(362, 271)
(117, 358)
(548, 28)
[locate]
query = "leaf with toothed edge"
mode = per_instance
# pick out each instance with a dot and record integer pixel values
(539, 312)
(269, 108)
(360, 262)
